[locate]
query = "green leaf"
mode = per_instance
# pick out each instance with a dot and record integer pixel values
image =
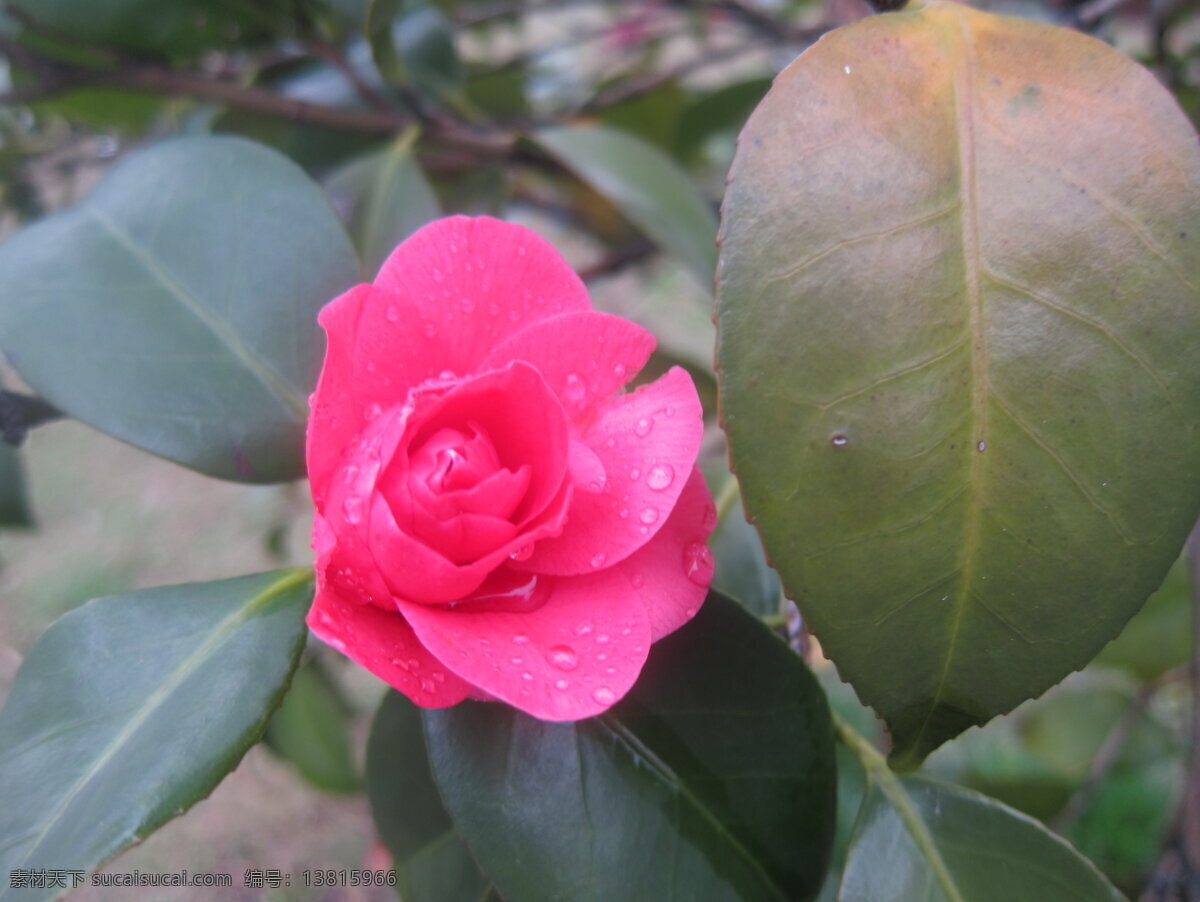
(918, 840)
(432, 863)
(741, 570)
(721, 112)
(131, 709)
(14, 507)
(646, 185)
(412, 43)
(1159, 637)
(713, 779)
(957, 353)
(383, 198)
(175, 308)
(156, 27)
(311, 729)
(651, 115)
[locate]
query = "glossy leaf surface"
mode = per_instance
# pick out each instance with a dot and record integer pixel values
(957, 328)
(175, 308)
(646, 185)
(933, 842)
(432, 863)
(130, 709)
(384, 198)
(713, 779)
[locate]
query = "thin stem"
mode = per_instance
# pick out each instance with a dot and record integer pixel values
(729, 494)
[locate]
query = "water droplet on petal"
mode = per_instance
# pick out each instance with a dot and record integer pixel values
(563, 657)
(574, 389)
(604, 696)
(392, 314)
(430, 330)
(524, 553)
(468, 305)
(353, 507)
(561, 684)
(446, 374)
(426, 685)
(660, 477)
(599, 561)
(437, 275)
(527, 676)
(710, 517)
(373, 410)
(619, 371)
(839, 441)
(520, 639)
(690, 613)
(635, 473)
(638, 580)
(649, 515)
(584, 629)
(698, 563)
(624, 513)
(643, 426)
(438, 676)
(413, 664)
(518, 661)
(602, 639)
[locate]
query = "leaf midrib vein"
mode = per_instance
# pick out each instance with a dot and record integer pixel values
(273, 381)
(962, 91)
(220, 633)
(634, 745)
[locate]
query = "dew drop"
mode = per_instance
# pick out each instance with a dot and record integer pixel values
(446, 374)
(562, 657)
(604, 696)
(638, 580)
(520, 639)
(635, 473)
(698, 563)
(602, 639)
(643, 426)
(584, 629)
(624, 513)
(527, 676)
(373, 411)
(438, 676)
(839, 441)
(468, 305)
(430, 330)
(599, 561)
(437, 275)
(426, 685)
(982, 446)
(575, 389)
(660, 477)
(602, 657)
(392, 314)
(524, 553)
(413, 664)
(561, 684)
(690, 613)
(619, 371)
(710, 517)
(353, 507)
(518, 661)
(649, 515)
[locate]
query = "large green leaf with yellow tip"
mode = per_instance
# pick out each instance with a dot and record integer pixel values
(959, 307)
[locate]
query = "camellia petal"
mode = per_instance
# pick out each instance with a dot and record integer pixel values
(617, 351)
(479, 280)
(673, 570)
(385, 644)
(647, 442)
(571, 658)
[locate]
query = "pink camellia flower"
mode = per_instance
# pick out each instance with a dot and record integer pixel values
(495, 518)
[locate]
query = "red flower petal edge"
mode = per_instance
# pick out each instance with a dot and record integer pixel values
(496, 516)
